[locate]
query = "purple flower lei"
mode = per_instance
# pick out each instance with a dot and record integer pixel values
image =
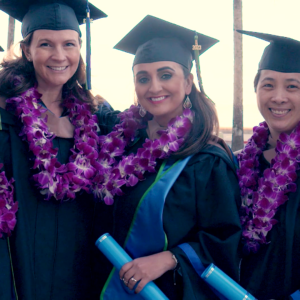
(95, 165)
(61, 181)
(8, 207)
(130, 169)
(262, 195)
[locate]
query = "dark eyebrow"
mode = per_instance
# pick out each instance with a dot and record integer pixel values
(141, 72)
(158, 70)
(292, 79)
(165, 68)
(268, 78)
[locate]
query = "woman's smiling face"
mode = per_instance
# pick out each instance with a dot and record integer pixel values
(55, 56)
(161, 88)
(278, 100)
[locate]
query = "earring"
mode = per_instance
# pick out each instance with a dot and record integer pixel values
(142, 111)
(187, 102)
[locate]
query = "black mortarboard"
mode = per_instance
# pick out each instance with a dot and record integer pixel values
(155, 39)
(281, 55)
(49, 14)
(1, 49)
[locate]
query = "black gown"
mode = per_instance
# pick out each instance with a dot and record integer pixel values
(274, 271)
(52, 251)
(202, 209)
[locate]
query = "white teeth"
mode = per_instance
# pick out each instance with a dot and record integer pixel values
(279, 112)
(58, 68)
(158, 99)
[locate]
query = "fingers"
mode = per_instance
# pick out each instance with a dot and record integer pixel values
(141, 285)
(124, 269)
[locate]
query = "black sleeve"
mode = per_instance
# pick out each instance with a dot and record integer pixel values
(218, 229)
(107, 119)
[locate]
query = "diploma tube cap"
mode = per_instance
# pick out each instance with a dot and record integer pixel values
(224, 285)
(1, 49)
(281, 55)
(49, 14)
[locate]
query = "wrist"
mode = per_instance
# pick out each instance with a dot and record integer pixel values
(176, 262)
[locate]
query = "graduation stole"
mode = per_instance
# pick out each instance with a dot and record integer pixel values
(146, 235)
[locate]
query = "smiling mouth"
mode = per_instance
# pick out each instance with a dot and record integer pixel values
(158, 99)
(57, 68)
(280, 112)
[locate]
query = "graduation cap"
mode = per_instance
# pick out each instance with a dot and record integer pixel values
(154, 39)
(281, 55)
(1, 49)
(54, 15)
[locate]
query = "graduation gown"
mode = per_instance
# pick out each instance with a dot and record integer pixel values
(52, 253)
(274, 271)
(201, 209)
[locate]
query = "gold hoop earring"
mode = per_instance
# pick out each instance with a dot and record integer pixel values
(142, 111)
(187, 103)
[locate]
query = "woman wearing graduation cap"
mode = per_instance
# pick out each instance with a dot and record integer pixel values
(49, 220)
(269, 176)
(176, 188)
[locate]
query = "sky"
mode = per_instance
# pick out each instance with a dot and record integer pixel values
(112, 69)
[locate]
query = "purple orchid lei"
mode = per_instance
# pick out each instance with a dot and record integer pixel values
(54, 179)
(8, 207)
(262, 194)
(95, 165)
(130, 169)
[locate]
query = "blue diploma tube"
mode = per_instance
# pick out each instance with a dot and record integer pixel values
(224, 284)
(118, 257)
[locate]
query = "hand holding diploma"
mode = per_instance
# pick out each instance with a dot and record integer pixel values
(118, 257)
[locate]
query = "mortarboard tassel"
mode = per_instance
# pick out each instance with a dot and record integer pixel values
(196, 49)
(88, 48)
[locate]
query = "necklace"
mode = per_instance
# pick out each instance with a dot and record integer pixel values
(262, 194)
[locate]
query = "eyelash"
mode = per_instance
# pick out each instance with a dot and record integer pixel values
(167, 75)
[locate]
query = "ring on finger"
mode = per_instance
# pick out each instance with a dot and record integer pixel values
(133, 279)
(125, 282)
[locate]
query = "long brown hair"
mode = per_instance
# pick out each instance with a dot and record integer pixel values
(205, 124)
(17, 66)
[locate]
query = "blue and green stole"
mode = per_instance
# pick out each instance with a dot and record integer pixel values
(146, 235)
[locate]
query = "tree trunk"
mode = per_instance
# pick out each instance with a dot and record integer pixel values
(11, 32)
(237, 128)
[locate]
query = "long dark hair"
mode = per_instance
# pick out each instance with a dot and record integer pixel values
(17, 66)
(205, 124)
